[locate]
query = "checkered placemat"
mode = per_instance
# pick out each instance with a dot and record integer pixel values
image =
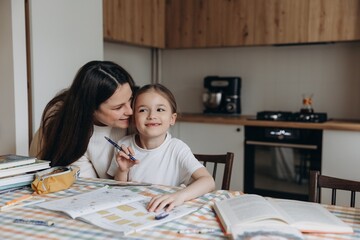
(67, 228)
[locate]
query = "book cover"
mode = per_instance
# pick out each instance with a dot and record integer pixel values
(114, 209)
(19, 185)
(250, 210)
(27, 168)
(12, 160)
(16, 181)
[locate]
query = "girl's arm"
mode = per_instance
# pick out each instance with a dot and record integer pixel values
(121, 176)
(203, 183)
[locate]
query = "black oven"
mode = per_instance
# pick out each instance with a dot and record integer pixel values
(278, 160)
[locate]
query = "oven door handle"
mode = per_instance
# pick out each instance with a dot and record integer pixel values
(288, 145)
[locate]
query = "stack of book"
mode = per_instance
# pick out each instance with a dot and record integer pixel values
(17, 171)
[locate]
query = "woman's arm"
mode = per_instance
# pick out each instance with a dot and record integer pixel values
(202, 184)
(87, 169)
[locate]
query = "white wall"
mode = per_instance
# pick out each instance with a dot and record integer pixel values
(64, 36)
(273, 78)
(136, 60)
(13, 79)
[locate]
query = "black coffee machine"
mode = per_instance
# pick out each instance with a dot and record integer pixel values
(222, 95)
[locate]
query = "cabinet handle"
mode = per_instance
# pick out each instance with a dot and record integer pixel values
(238, 129)
(273, 144)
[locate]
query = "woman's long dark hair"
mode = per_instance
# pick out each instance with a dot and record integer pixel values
(67, 121)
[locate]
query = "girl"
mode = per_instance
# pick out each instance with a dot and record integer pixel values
(74, 123)
(161, 158)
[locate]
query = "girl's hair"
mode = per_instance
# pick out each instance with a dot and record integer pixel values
(67, 121)
(160, 89)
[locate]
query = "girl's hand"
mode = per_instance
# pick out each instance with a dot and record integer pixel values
(166, 201)
(123, 159)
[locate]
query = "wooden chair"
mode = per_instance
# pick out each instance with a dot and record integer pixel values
(318, 181)
(226, 159)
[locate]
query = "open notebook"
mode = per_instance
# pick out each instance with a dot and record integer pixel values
(114, 209)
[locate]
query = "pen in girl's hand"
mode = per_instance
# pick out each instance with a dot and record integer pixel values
(118, 147)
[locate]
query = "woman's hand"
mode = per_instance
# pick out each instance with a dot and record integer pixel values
(166, 201)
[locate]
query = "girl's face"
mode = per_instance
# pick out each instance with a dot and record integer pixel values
(116, 110)
(153, 115)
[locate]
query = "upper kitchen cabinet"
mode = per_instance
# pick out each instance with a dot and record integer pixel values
(228, 23)
(280, 21)
(209, 23)
(224, 23)
(139, 22)
(334, 20)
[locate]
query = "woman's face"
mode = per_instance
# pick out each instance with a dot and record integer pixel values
(116, 110)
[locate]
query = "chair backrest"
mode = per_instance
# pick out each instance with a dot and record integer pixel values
(226, 159)
(318, 181)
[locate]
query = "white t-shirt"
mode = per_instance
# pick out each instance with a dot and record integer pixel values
(172, 163)
(97, 158)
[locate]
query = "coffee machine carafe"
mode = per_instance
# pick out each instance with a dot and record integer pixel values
(222, 95)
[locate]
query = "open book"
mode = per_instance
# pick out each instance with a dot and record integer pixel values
(250, 210)
(114, 209)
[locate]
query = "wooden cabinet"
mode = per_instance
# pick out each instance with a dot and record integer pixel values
(227, 23)
(224, 23)
(334, 20)
(139, 22)
(209, 23)
(215, 139)
(280, 21)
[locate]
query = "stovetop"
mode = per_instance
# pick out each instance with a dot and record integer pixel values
(292, 116)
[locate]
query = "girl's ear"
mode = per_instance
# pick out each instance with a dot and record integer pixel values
(173, 119)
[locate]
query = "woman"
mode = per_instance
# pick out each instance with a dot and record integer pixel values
(75, 122)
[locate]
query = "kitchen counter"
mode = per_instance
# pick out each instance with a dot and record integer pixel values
(332, 124)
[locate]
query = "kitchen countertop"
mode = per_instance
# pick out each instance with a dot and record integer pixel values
(331, 124)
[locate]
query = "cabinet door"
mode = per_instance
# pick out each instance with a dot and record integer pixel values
(139, 22)
(216, 23)
(341, 158)
(209, 23)
(215, 139)
(281, 21)
(335, 20)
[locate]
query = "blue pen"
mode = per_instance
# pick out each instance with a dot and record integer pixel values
(34, 222)
(118, 147)
(161, 215)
